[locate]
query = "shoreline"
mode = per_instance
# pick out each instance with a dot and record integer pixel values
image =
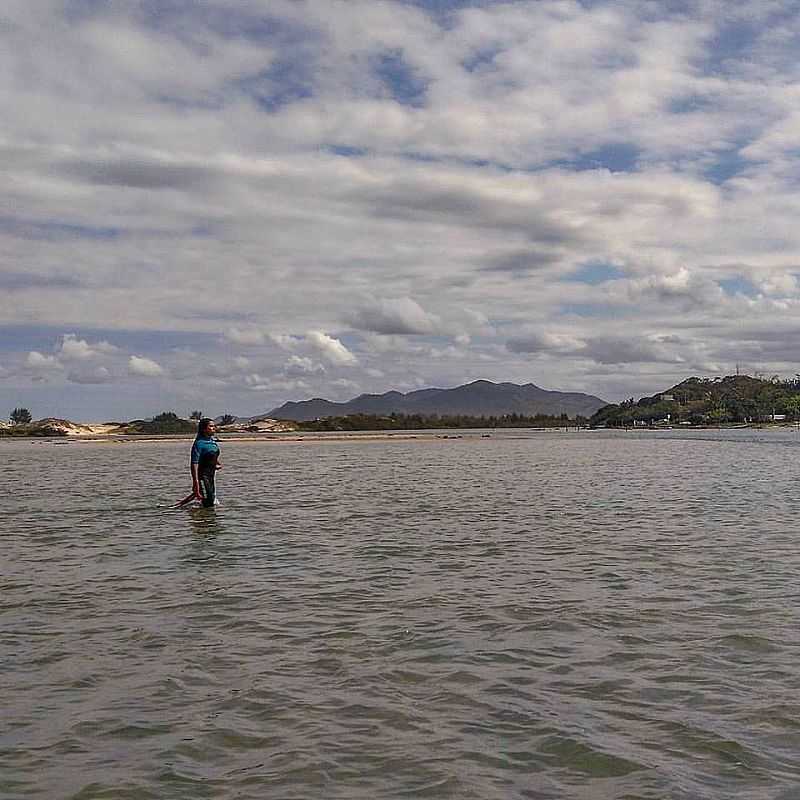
(299, 437)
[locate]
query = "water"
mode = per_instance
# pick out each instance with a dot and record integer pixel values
(560, 615)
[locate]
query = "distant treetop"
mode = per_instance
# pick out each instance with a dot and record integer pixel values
(20, 416)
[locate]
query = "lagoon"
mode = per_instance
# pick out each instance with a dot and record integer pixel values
(534, 615)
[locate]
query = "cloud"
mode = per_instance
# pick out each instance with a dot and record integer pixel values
(73, 348)
(145, 367)
(248, 336)
(96, 375)
(624, 350)
(453, 163)
(330, 349)
(41, 363)
(522, 262)
(398, 316)
(609, 349)
(260, 383)
(299, 365)
(546, 342)
(285, 341)
(682, 285)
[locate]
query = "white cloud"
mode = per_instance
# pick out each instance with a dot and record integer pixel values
(546, 341)
(331, 349)
(260, 383)
(285, 341)
(300, 365)
(41, 363)
(73, 348)
(400, 315)
(145, 367)
(245, 336)
(91, 376)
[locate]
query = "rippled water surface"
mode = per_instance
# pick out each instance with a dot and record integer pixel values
(537, 615)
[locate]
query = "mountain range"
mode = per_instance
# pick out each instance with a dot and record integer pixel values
(479, 398)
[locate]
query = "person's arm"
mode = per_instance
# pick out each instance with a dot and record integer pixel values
(196, 482)
(195, 465)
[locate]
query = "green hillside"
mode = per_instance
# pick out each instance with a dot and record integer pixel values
(708, 401)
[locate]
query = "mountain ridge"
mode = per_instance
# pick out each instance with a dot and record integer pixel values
(478, 398)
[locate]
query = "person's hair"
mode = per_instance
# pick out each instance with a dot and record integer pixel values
(202, 425)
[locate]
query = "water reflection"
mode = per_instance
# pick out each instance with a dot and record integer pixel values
(203, 546)
(205, 522)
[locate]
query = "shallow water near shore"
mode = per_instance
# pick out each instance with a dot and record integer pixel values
(534, 615)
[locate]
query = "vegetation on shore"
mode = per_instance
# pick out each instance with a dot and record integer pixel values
(709, 401)
(42, 427)
(166, 423)
(735, 399)
(414, 422)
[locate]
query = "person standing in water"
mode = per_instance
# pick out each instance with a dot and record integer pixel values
(205, 463)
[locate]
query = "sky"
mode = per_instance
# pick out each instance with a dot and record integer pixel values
(222, 205)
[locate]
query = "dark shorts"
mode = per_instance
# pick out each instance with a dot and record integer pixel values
(207, 488)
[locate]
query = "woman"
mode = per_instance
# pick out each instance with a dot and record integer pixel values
(205, 463)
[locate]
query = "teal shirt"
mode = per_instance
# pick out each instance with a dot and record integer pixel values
(205, 451)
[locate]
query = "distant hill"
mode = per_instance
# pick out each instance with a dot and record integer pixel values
(709, 401)
(480, 398)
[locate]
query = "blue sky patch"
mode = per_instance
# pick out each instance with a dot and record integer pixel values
(689, 104)
(45, 338)
(481, 58)
(592, 310)
(595, 273)
(27, 229)
(19, 280)
(284, 83)
(729, 46)
(620, 157)
(727, 165)
(738, 285)
(399, 78)
(345, 151)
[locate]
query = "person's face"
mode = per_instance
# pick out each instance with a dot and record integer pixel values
(211, 429)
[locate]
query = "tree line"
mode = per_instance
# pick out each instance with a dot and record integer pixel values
(412, 422)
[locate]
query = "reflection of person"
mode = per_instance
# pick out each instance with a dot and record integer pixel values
(205, 462)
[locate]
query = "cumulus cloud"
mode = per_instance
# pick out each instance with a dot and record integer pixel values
(604, 349)
(245, 336)
(399, 316)
(41, 363)
(299, 365)
(74, 349)
(683, 286)
(330, 349)
(90, 376)
(285, 341)
(624, 350)
(545, 341)
(255, 382)
(144, 367)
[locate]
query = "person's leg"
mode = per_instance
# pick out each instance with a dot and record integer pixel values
(207, 489)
